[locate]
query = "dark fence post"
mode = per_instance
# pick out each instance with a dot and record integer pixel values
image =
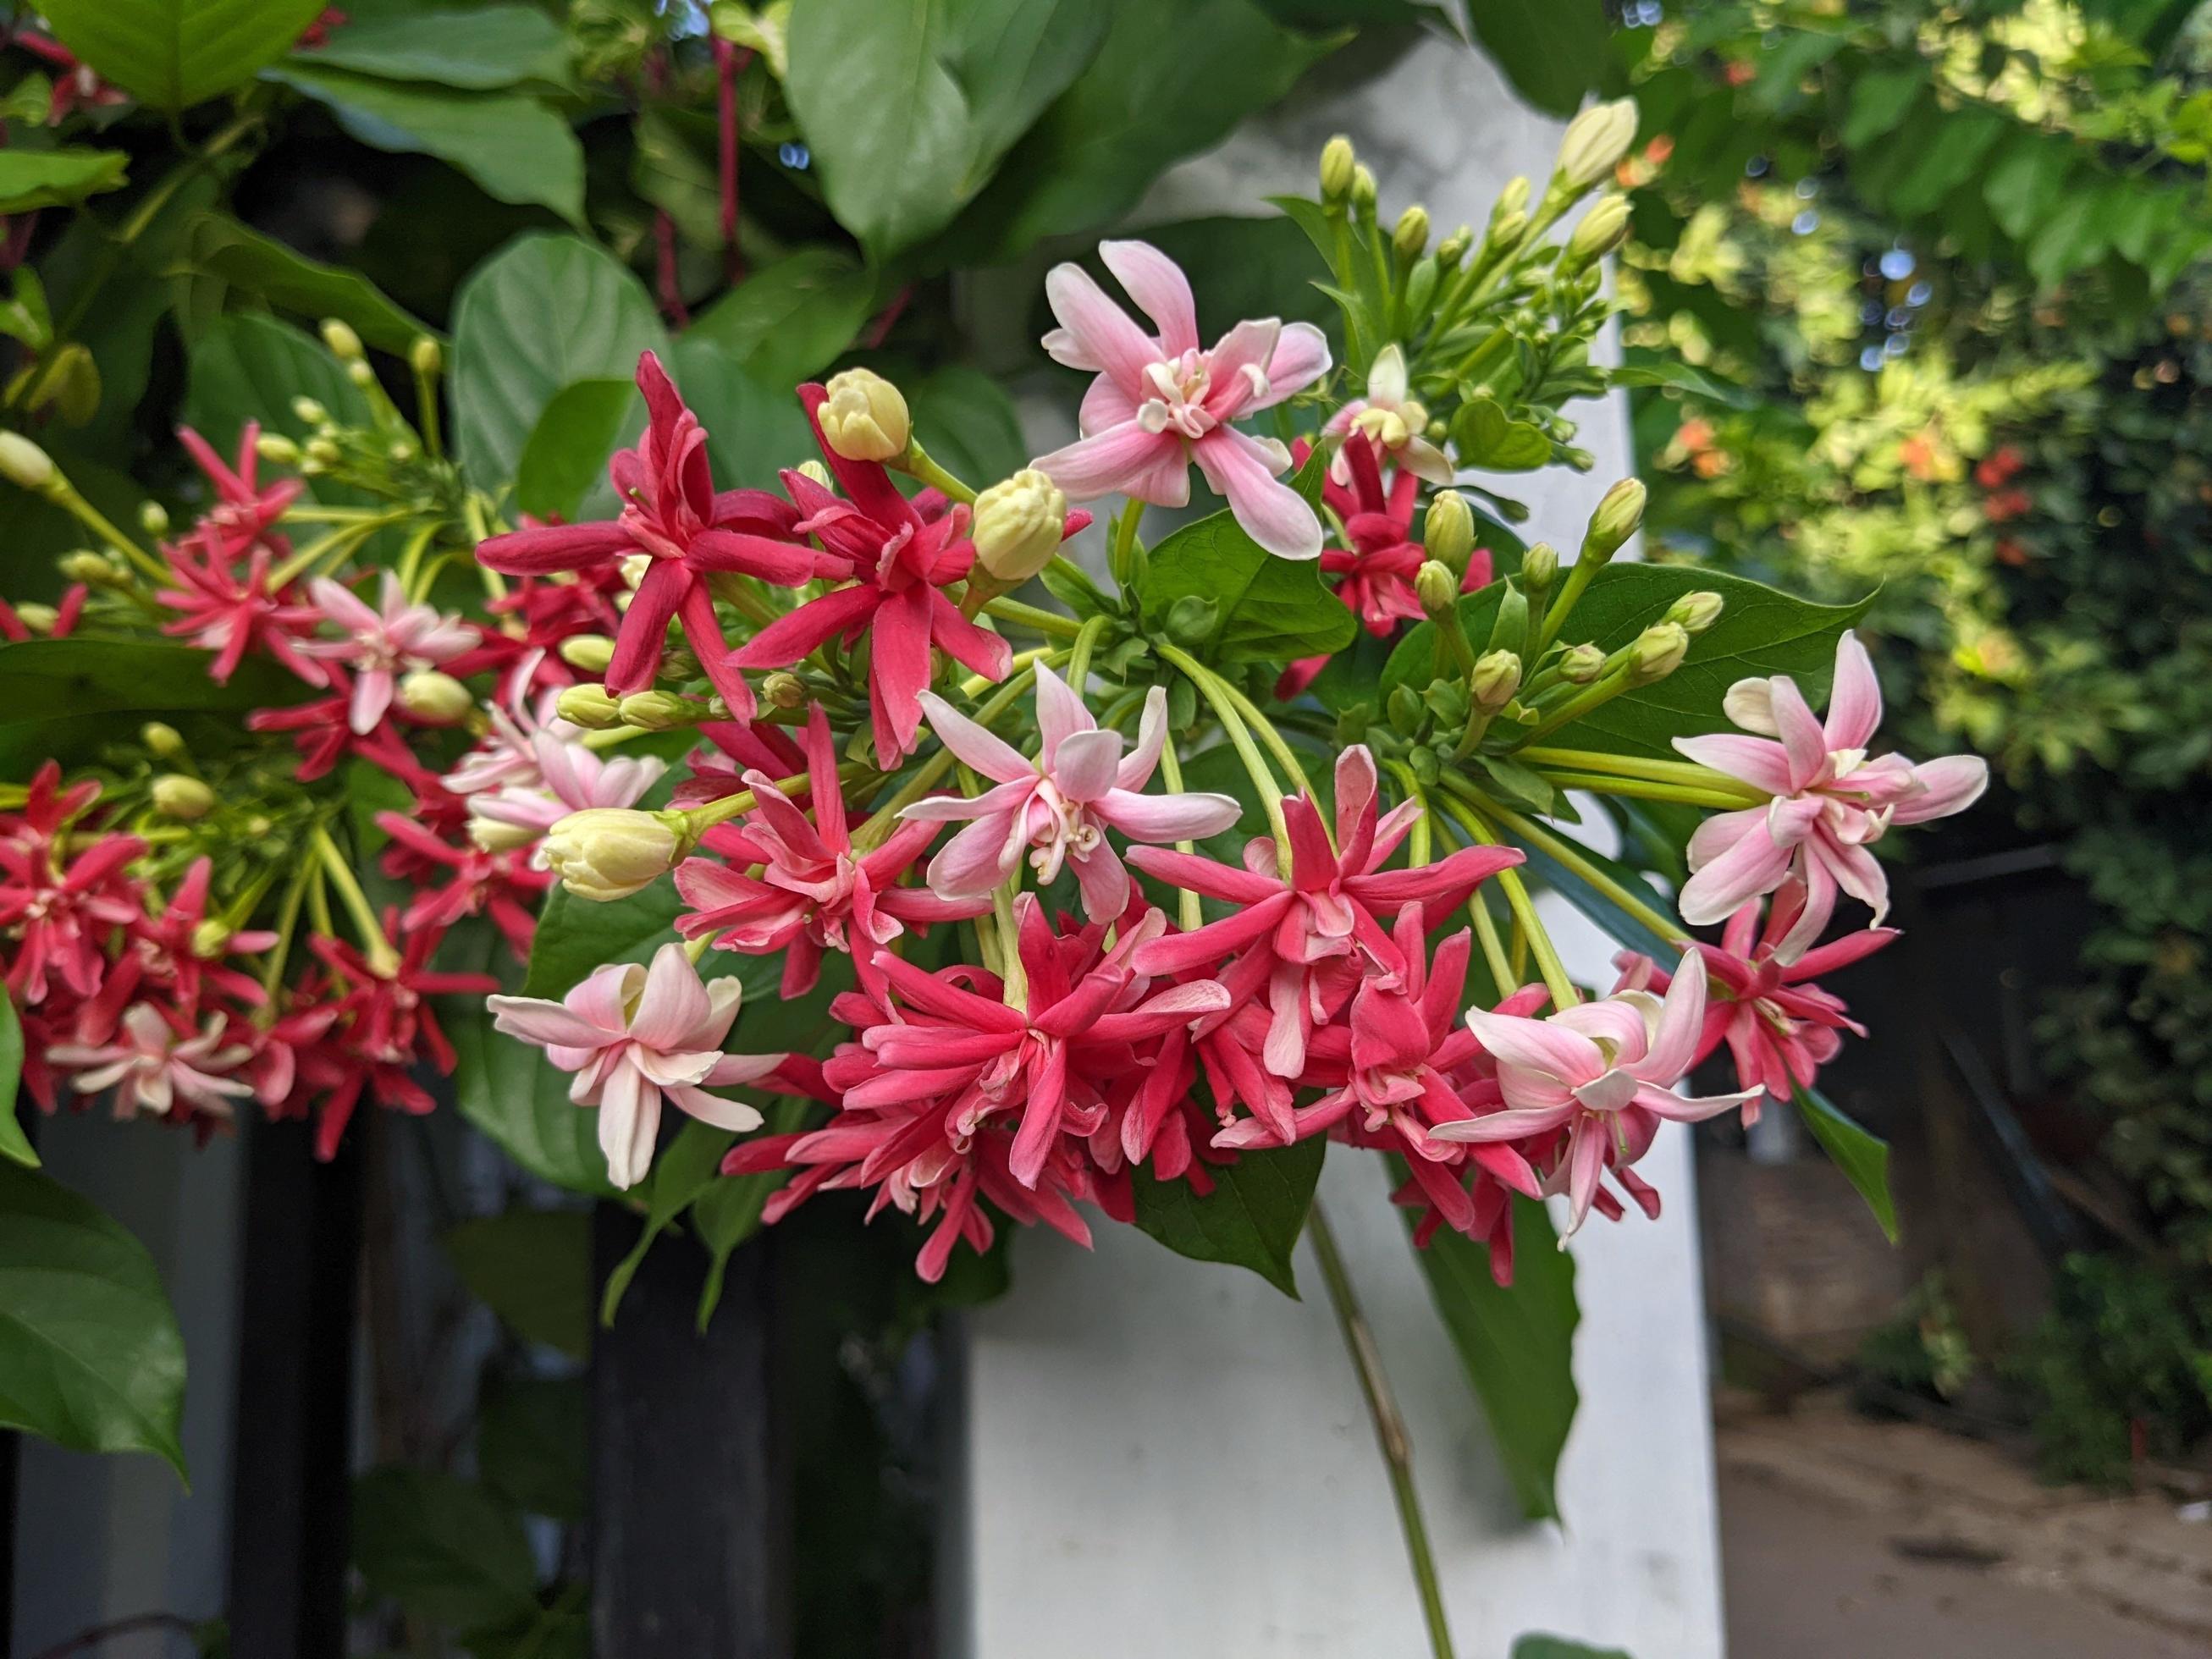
(689, 1515)
(293, 1465)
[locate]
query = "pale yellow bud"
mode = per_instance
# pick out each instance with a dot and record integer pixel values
(591, 652)
(496, 836)
(1658, 652)
(1337, 162)
(26, 466)
(1695, 612)
(360, 374)
(658, 711)
(865, 418)
(439, 698)
(1593, 143)
(1448, 532)
(1618, 513)
(589, 707)
(276, 449)
(1581, 664)
(608, 853)
(176, 796)
(154, 518)
(1018, 526)
(93, 569)
(1497, 676)
(1411, 234)
(783, 690)
(211, 939)
(39, 618)
(1602, 229)
(816, 472)
(310, 411)
(1436, 587)
(1362, 186)
(1514, 198)
(1539, 568)
(162, 741)
(425, 355)
(345, 345)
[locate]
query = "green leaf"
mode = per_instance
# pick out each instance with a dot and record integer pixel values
(908, 109)
(1607, 912)
(1252, 1218)
(575, 935)
(1489, 438)
(509, 363)
(516, 148)
(90, 1355)
(533, 1433)
(1550, 49)
(1642, 367)
(969, 425)
(174, 53)
(219, 246)
(255, 368)
(14, 1143)
(63, 699)
(1862, 1158)
(2024, 184)
(33, 178)
(1173, 78)
(479, 48)
(508, 1090)
(569, 446)
(1559, 1647)
(753, 430)
(1880, 99)
(533, 1269)
(1516, 1345)
(786, 322)
(446, 1549)
(1266, 609)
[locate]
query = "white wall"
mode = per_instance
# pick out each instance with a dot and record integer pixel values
(1167, 1459)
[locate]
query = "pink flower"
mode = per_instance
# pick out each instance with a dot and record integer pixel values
(568, 776)
(499, 883)
(801, 887)
(1303, 939)
(1604, 1071)
(1060, 807)
(154, 1064)
(902, 560)
(230, 612)
(634, 1035)
(1162, 402)
(394, 638)
(244, 512)
(1831, 801)
(671, 515)
(59, 908)
(1394, 426)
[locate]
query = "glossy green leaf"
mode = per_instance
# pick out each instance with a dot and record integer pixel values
(218, 245)
(1252, 1218)
(1516, 1345)
(533, 1438)
(14, 1144)
(908, 109)
(508, 364)
(568, 448)
(174, 53)
(515, 148)
(1862, 1158)
(1489, 438)
(1266, 608)
(35, 178)
(479, 48)
(1551, 50)
(754, 430)
(447, 1550)
(255, 368)
(63, 699)
(788, 321)
(90, 1355)
(575, 935)
(533, 1269)
(508, 1090)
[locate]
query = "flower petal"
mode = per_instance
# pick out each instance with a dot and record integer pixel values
(1162, 292)
(1242, 470)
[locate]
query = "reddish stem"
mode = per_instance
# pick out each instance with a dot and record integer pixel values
(879, 330)
(672, 292)
(730, 61)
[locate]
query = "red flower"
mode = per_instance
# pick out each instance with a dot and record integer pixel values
(60, 908)
(673, 517)
(901, 561)
(499, 885)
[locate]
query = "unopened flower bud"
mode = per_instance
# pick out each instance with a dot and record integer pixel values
(39, 618)
(276, 449)
(1658, 652)
(425, 355)
(489, 835)
(1602, 229)
(817, 472)
(1497, 676)
(26, 466)
(154, 518)
(1695, 612)
(1618, 513)
(360, 374)
(1362, 187)
(1448, 532)
(1593, 143)
(176, 796)
(345, 345)
(591, 652)
(1337, 162)
(783, 690)
(1539, 568)
(1018, 526)
(865, 418)
(1508, 229)
(93, 569)
(322, 451)
(1581, 664)
(1411, 237)
(657, 711)
(589, 707)
(162, 741)
(1514, 198)
(1454, 247)
(401, 453)
(1436, 587)
(608, 853)
(439, 698)
(211, 939)
(310, 411)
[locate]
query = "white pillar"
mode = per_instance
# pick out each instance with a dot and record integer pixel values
(1163, 1458)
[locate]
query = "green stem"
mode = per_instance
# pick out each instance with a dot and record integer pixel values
(1390, 1427)
(1190, 915)
(64, 494)
(917, 463)
(1048, 622)
(1287, 757)
(1595, 694)
(1549, 967)
(1078, 660)
(1225, 710)
(1599, 783)
(932, 771)
(382, 959)
(1626, 766)
(1122, 561)
(1562, 851)
(1579, 574)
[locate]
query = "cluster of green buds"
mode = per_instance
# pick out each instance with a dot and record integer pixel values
(1494, 329)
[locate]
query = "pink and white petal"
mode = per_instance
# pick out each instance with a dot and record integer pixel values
(1120, 457)
(715, 1109)
(978, 858)
(1103, 882)
(1692, 1109)
(1095, 333)
(1950, 784)
(1060, 714)
(629, 1122)
(1538, 1045)
(1136, 768)
(1162, 292)
(672, 1002)
(1082, 769)
(533, 1019)
(1799, 729)
(1427, 463)
(1759, 761)
(1301, 357)
(1855, 700)
(1238, 366)
(1753, 867)
(976, 744)
(1005, 798)
(1242, 470)
(1681, 1026)
(1189, 817)
(1104, 405)
(1512, 1124)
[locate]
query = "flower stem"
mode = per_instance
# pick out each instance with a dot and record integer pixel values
(1079, 661)
(1049, 622)
(382, 959)
(917, 462)
(1390, 1426)
(1549, 967)
(1561, 850)
(1190, 915)
(1122, 561)
(1626, 766)
(1217, 695)
(1599, 783)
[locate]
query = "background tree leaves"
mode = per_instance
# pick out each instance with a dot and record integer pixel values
(174, 53)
